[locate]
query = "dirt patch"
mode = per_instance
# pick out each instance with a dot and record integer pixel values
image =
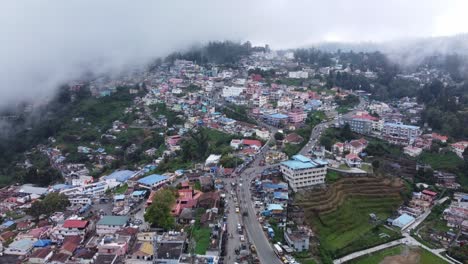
(407, 256)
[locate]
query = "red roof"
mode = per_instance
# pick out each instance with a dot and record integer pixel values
(431, 193)
(75, 223)
(250, 142)
(366, 116)
(352, 156)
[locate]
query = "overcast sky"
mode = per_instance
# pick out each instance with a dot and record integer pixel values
(43, 43)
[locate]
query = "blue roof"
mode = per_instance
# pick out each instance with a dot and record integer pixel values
(152, 179)
(274, 207)
(8, 223)
(119, 197)
(138, 193)
(281, 195)
(279, 116)
(401, 125)
(404, 219)
(301, 158)
(120, 176)
(301, 162)
(269, 185)
(61, 186)
(42, 243)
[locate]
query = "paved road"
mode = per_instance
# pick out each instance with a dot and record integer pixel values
(233, 219)
(318, 129)
(253, 227)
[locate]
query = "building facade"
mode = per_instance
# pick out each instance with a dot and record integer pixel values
(302, 173)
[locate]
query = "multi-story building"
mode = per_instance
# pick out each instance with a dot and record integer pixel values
(296, 116)
(302, 172)
(232, 91)
(71, 227)
(400, 134)
(359, 125)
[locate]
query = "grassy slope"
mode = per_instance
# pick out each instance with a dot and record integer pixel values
(443, 161)
(348, 227)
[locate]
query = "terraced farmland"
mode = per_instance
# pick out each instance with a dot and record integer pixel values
(340, 214)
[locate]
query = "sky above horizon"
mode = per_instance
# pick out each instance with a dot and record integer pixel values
(44, 43)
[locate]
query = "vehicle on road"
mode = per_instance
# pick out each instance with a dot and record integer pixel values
(242, 238)
(237, 210)
(278, 250)
(253, 249)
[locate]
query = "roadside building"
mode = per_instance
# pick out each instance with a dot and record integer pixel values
(403, 221)
(302, 172)
(153, 181)
(109, 224)
(297, 239)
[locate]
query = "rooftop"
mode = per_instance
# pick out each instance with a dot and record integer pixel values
(301, 162)
(75, 224)
(120, 176)
(152, 179)
(113, 220)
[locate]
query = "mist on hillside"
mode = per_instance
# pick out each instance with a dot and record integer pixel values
(44, 44)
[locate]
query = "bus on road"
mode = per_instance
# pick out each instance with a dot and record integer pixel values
(278, 250)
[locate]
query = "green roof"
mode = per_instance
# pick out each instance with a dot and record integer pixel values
(113, 220)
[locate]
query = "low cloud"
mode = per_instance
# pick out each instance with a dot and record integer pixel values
(44, 43)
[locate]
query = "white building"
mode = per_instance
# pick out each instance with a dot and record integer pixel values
(82, 180)
(71, 227)
(302, 172)
(109, 224)
(298, 75)
(263, 134)
(232, 91)
(284, 102)
(212, 160)
(412, 151)
(79, 200)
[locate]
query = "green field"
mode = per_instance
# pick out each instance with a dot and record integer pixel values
(378, 256)
(348, 228)
(332, 176)
(425, 257)
(441, 161)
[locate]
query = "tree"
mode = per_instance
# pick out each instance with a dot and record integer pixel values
(159, 213)
(52, 202)
(279, 136)
(346, 132)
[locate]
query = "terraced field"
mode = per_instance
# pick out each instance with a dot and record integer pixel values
(340, 214)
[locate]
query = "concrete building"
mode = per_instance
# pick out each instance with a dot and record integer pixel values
(232, 91)
(299, 240)
(109, 224)
(400, 134)
(302, 172)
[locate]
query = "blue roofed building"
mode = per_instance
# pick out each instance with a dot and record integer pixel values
(120, 175)
(276, 119)
(403, 221)
(281, 196)
(302, 172)
(153, 181)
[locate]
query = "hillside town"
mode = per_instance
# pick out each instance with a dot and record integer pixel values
(263, 161)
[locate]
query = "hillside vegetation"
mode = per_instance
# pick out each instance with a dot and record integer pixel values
(340, 214)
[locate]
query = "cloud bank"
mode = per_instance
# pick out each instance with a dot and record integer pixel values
(44, 43)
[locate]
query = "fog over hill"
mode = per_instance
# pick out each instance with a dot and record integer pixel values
(45, 43)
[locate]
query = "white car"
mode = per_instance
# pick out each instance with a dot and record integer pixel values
(242, 238)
